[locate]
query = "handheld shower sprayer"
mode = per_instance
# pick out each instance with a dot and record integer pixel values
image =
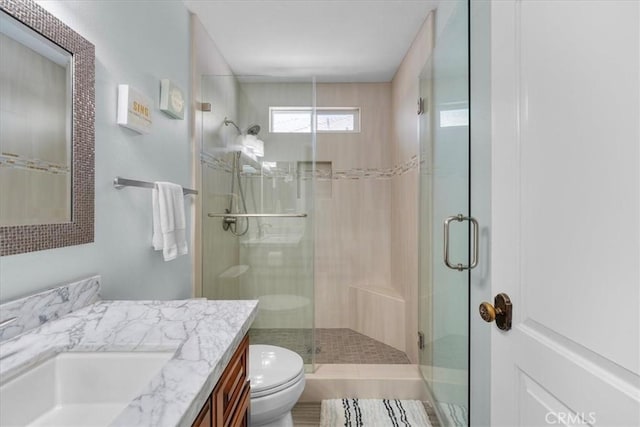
(248, 143)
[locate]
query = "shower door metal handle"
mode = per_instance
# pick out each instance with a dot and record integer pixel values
(474, 253)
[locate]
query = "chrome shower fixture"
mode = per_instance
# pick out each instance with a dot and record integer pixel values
(227, 122)
(252, 130)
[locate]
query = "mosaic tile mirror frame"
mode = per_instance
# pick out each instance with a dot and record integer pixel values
(28, 238)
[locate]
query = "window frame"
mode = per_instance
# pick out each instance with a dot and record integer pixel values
(356, 112)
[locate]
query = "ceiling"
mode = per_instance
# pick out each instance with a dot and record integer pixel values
(334, 40)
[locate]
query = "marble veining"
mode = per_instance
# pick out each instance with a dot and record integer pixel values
(35, 310)
(203, 334)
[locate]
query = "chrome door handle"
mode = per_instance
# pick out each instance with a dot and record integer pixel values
(474, 253)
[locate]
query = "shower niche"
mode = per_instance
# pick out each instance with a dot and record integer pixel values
(258, 192)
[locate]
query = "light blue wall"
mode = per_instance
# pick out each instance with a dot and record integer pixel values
(137, 43)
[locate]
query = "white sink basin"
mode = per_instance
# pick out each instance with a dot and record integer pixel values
(78, 388)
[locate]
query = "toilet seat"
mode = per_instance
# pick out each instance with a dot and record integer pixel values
(277, 388)
(272, 369)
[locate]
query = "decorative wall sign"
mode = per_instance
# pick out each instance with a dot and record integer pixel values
(134, 109)
(172, 100)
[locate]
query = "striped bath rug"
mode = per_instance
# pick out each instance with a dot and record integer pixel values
(455, 414)
(373, 413)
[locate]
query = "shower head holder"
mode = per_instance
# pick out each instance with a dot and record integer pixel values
(228, 122)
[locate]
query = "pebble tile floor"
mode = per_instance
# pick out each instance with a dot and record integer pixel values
(338, 345)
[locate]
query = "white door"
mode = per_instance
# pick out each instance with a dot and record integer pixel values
(565, 211)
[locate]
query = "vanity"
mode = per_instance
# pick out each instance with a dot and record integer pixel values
(130, 363)
(228, 404)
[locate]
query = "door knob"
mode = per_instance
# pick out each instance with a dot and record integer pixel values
(500, 311)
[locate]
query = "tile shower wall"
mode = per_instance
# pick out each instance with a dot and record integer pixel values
(132, 48)
(354, 225)
(405, 146)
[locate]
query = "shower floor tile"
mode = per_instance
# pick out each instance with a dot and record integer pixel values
(340, 345)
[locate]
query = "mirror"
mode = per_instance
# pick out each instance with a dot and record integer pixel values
(47, 99)
(35, 136)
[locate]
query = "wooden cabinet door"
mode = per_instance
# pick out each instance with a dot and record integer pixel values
(228, 404)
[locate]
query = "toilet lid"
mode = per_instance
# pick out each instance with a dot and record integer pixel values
(271, 368)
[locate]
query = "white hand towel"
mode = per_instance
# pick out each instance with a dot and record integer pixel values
(169, 225)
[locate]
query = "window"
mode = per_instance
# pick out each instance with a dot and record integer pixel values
(328, 119)
(454, 117)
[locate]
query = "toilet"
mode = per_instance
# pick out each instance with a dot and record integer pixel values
(277, 381)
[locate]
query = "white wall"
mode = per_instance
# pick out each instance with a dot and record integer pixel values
(480, 115)
(137, 43)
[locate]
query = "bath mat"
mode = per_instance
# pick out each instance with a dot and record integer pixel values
(373, 413)
(455, 414)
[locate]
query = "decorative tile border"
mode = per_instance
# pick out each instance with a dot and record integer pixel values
(375, 173)
(220, 164)
(216, 163)
(34, 310)
(16, 161)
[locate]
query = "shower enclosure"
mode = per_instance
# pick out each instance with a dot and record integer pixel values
(257, 201)
(446, 254)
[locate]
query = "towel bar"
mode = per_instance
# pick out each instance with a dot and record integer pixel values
(119, 182)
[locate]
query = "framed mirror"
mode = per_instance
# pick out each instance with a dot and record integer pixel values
(47, 110)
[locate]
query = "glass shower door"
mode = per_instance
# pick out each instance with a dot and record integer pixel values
(444, 193)
(257, 206)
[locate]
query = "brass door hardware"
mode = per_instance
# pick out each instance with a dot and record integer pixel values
(500, 311)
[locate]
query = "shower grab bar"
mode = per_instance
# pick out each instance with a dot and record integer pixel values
(230, 215)
(119, 182)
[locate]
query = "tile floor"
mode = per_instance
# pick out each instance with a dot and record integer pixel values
(340, 345)
(306, 414)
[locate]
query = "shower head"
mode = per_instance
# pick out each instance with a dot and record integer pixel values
(253, 130)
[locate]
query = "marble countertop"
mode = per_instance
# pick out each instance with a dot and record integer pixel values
(203, 334)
